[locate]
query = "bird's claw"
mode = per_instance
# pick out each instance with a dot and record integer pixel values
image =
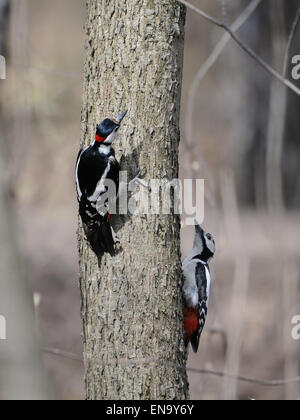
(115, 238)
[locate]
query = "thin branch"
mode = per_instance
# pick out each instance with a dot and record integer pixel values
(280, 382)
(62, 353)
(290, 43)
(244, 47)
(203, 14)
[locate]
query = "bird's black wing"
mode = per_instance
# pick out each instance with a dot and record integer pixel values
(91, 168)
(201, 279)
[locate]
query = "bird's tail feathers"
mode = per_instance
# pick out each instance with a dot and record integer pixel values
(101, 239)
(195, 340)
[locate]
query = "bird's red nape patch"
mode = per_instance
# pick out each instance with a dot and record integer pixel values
(190, 322)
(99, 139)
(108, 217)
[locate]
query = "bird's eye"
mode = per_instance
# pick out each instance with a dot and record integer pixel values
(209, 237)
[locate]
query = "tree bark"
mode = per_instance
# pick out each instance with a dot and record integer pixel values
(132, 306)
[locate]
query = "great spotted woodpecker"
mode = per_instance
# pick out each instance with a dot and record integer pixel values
(196, 288)
(95, 165)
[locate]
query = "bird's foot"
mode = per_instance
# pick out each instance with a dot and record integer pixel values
(115, 238)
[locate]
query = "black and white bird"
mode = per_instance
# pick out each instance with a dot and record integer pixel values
(95, 165)
(196, 288)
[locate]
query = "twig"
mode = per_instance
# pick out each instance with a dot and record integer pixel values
(64, 354)
(290, 42)
(280, 382)
(244, 47)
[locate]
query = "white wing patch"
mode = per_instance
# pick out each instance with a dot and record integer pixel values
(79, 192)
(208, 278)
(100, 188)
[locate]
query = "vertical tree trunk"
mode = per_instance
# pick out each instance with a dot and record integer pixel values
(132, 307)
(4, 10)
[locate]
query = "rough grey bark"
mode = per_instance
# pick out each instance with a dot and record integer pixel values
(132, 306)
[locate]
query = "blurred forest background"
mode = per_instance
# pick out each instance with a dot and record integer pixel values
(242, 137)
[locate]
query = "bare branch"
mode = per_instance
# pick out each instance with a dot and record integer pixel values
(290, 42)
(244, 47)
(64, 354)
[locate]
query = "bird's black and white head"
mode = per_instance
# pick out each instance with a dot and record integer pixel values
(107, 131)
(204, 245)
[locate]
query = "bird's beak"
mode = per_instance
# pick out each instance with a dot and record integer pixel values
(121, 117)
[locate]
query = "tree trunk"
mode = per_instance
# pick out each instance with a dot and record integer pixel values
(132, 306)
(4, 11)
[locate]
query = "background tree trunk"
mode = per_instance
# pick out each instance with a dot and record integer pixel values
(22, 373)
(132, 307)
(4, 11)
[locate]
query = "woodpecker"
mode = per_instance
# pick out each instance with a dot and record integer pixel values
(196, 288)
(95, 165)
